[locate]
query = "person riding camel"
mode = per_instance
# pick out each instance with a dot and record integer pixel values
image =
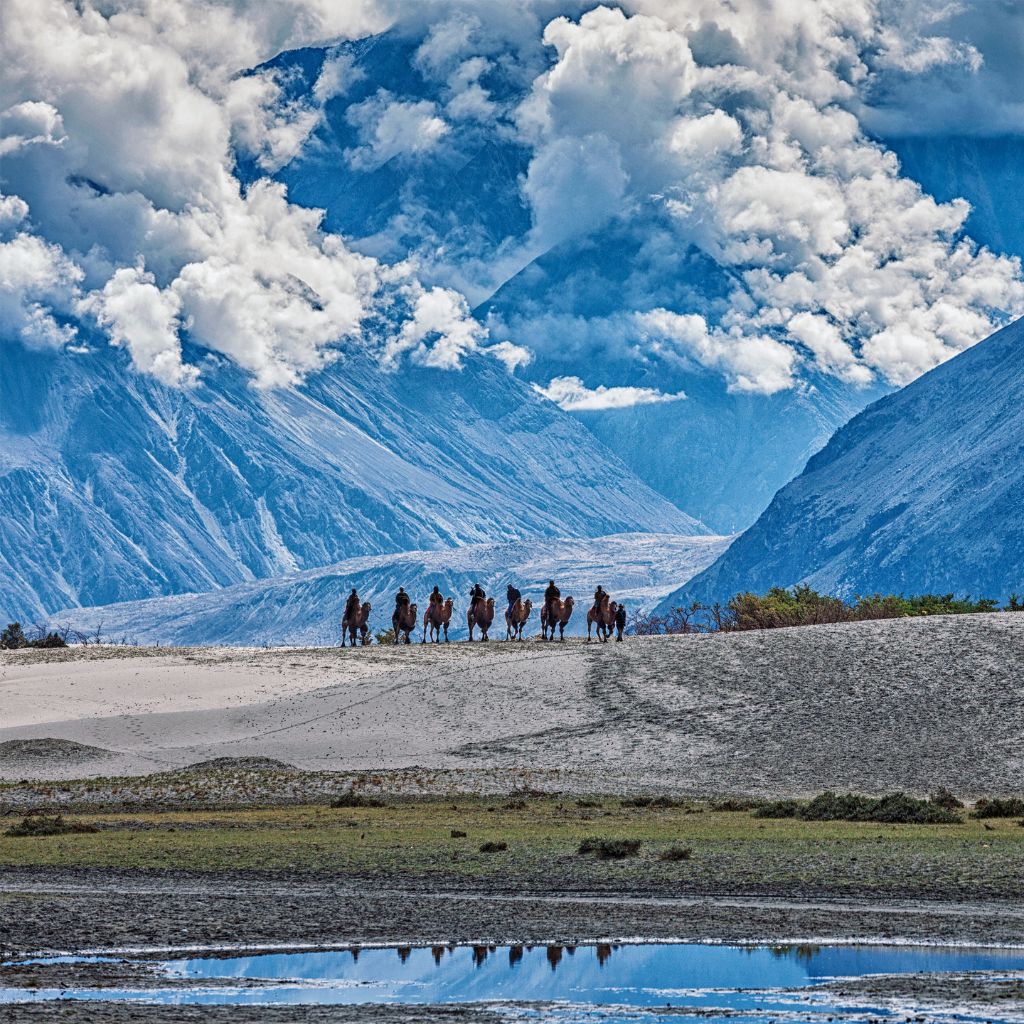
(351, 605)
(476, 594)
(436, 597)
(401, 600)
(513, 595)
(599, 596)
(551, 595)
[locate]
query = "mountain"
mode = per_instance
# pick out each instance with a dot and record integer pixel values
(114, 487)
(303, 608)
(921, 492)
(718, 454)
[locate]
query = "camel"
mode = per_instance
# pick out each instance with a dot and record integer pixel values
(436, 619)
(562, 613)
(404, 623)
(480, 614)
(603, 618)
(516, 620)
(358, 623)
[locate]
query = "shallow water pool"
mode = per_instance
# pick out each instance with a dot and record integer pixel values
(588, 982)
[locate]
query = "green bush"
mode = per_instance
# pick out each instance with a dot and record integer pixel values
(13, 637)
(778, 809)
(942, 797)
(493, 847)
(50, 640)
(39, 825)
(999, 807)
(895, 808)
(610, 849)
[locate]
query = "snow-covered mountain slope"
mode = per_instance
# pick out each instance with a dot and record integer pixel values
(304, 608)
(720, 454)
(114, 487)
(922, 492)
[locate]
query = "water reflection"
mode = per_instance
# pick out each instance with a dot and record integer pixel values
(706, 978)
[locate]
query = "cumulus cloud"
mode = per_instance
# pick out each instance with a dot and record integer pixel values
(748, 141)
(571, 394)
(389, 128)
(439, 333)
(144, 319)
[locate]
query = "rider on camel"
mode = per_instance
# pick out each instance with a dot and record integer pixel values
(401, 600)
(476, 594)
(599, 596)
(551, 595)
(351, 605)
(436, 596)
(513, 595)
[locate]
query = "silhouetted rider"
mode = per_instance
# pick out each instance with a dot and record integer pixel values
(476, 594)
(436, 596)
(599, 596)
(551, 595)
(401, 600)
(352, 605)
(513, 595)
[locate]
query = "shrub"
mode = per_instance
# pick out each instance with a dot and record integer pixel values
(734, 803)
(895, 808)
(39, 825)
(493, 847)
(588, 803)
(385, 637)
(49, 640)
(457, 833)
(942, 797)
(610, 849)
(350, 799)
(999, 807)
(676, 853)
(778, 809)
(13, 637)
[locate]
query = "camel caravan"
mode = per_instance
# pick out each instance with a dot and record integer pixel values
(605, 617)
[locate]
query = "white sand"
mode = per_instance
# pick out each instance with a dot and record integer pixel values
(900, 704)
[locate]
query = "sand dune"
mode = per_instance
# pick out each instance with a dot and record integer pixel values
(908, 704)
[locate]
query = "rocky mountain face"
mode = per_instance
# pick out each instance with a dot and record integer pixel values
(921, 492)
(114, 487)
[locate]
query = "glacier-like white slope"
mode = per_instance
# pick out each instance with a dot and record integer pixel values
(304, 608)
(922, 492)
(114, 488)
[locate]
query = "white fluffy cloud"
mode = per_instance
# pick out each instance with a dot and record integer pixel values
(119, 122)
(734, 128)
(571, 394)
(738, 122)
(389, 127)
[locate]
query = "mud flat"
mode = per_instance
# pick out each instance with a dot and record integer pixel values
(900, 704)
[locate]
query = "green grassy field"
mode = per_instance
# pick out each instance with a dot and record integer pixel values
(731, 851)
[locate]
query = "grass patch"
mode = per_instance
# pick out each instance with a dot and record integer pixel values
(895, 808)
(610, 849)
(40, 825)
(999, 807)
(493, 847)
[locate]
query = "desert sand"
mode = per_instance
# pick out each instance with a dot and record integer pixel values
(911, 704)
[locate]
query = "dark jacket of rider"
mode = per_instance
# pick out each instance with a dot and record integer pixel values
(352, 604)
(599, 594)
(477, 593)
(436, 597)
(401, 599)
(552, 593)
